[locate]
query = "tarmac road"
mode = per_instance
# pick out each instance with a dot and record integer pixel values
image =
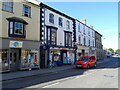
(105, 75)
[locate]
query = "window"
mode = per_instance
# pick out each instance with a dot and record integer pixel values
(29, 58)
(51, 35)
(68, 39)
(60, 22)
(68, 24)
(79, 27)
(79, 39)
(26, 11)
(4, 61)
(18, 28)
(51, 18)
(84, 41)
(8, 6)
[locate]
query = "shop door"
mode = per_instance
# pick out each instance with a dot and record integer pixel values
(64, 57)
(14, 59)
(42, 58)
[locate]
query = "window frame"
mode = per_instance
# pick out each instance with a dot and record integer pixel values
(12, 33)
(60, 22)
(7, 6)
(68, 42)
(51, 18)
(15, 28)
(49, 35)
(29, 11)
(68, 24)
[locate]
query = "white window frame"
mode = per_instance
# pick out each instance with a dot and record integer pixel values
(25, 12)
(68, 24)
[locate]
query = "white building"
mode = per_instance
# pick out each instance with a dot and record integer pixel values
(57, 36)
(85, 37)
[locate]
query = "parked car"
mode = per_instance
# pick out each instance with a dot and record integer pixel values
(86, 62)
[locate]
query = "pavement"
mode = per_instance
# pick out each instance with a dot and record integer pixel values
(27, 73)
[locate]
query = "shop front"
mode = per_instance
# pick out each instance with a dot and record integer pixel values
(18, 55)
(60, 56)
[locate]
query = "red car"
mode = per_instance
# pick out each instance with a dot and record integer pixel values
(86, 62)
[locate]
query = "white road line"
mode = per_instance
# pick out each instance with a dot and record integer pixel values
(50, 85)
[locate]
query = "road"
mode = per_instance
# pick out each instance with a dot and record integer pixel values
(105, 75)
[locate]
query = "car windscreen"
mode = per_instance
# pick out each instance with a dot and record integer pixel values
(83, 59)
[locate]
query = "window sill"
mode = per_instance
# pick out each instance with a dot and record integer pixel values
(7, 11)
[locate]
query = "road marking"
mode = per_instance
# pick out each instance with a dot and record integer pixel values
(50, 85)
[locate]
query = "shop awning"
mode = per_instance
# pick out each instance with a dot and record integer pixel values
(17, 19)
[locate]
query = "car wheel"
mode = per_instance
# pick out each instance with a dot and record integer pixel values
(95, 65)
(88, 66)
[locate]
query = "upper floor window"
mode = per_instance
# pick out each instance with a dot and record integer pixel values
(8, 6)
(51, 35)
(68, 24)
(60, 22)
(84, 41)
(26, 11)
(79, 27)
(51, 18)
(68, 39)
(18, 28)
(79, 39)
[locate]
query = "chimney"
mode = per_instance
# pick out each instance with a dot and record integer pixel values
(91, 26)
(83, 21)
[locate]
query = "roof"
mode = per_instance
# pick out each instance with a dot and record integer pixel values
(17, 19)
(98, 33)
(56, 11)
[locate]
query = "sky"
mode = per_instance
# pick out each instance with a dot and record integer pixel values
(103, 16)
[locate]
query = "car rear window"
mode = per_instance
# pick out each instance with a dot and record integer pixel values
(83, 59)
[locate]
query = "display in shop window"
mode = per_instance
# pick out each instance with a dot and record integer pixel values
(29, 59)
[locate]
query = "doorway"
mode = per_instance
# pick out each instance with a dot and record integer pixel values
(15, 59)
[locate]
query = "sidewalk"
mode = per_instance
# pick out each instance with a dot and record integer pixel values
(23, 74)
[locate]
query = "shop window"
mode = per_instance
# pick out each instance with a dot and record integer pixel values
(26, 11)
(8, 6)
(4, 62)
(68, 39)
(29, 59)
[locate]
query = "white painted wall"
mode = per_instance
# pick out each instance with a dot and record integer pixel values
(86, 35)
(60, 31)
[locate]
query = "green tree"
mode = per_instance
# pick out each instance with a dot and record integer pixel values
(118, 51)
(110, 49)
